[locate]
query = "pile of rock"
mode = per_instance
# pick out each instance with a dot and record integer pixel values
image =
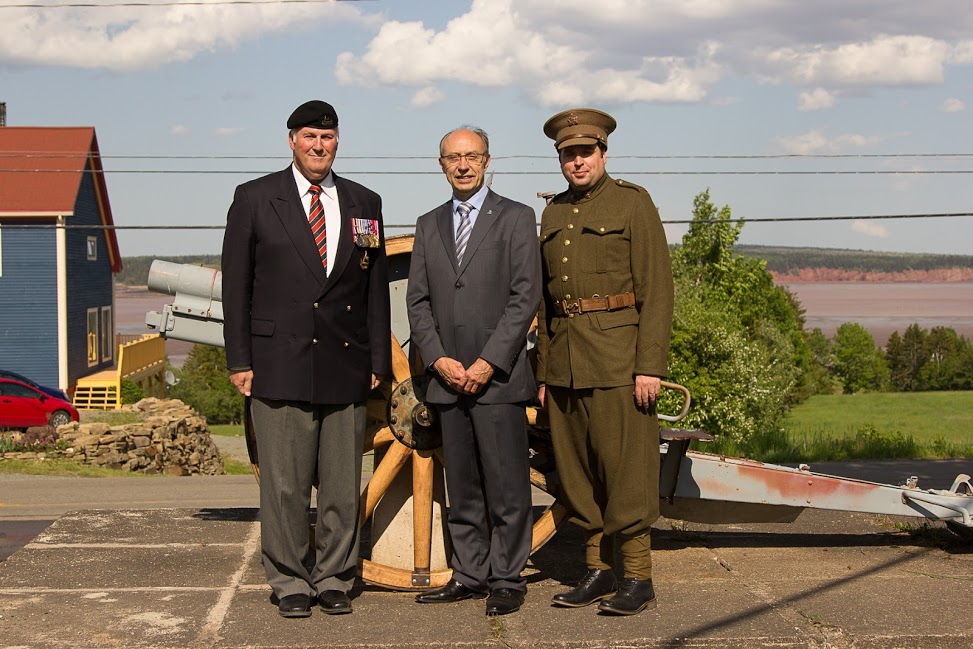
(171, 438)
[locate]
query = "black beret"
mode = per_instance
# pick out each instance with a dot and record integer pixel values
(315, 113)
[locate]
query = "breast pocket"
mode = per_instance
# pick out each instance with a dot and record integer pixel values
(606, 245)
(549, 249)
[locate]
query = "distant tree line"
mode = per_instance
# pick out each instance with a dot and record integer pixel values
(916, 361)
(782, 259)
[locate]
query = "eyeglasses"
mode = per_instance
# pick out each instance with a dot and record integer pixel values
(453, 159)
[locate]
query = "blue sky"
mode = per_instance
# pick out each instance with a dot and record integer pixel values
(687, 80)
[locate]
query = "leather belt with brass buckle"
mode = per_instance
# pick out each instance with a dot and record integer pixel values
(596, 303)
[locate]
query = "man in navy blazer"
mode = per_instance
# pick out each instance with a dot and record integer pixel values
(307, 332)
(474, 288)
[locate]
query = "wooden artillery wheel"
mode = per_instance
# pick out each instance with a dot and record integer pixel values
(401, 428)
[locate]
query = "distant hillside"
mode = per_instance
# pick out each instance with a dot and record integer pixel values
(787, 260)
(786, 264)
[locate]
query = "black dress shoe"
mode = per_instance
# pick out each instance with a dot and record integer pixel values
(334, 602)
(504, 601)
(633, 596)
(596, 584)
(298, 605)
(451, 592)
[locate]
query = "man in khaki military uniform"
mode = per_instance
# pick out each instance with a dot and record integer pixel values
(603, 339)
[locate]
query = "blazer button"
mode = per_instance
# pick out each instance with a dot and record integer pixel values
(346, 345)
(314, 341)
(459, 284)
(348, 308)
(315, 305)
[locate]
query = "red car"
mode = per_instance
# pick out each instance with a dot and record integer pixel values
(21, 406)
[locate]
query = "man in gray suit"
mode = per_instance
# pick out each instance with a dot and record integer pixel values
(474, 288)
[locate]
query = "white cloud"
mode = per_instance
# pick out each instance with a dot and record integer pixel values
(953, 105)
(225, 131)
(814, 141)
(137, 38)
(179, 129)
(870, 229)
(427, 97)
(817, 99)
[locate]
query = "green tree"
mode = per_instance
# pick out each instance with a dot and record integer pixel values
(858, 364)
(737, 338)
(205, 385)
(896, 360)
(914, 356)
(948, 357)
(822, 355)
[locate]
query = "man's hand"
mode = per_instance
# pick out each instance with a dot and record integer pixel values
(542, 395)
(453, 373)
(646, 391)
(479, 373)
(242, 380)
(376, 379)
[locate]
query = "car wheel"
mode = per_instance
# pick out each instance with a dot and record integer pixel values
(59, 418)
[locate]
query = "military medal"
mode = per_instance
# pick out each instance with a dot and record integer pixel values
(364, 260)
(365, 233)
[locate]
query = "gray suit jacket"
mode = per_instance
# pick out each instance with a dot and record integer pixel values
(482, 308)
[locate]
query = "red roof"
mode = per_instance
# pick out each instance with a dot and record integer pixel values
(41, 170)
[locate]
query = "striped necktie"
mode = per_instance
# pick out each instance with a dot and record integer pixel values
(463, 231)
(319, 229)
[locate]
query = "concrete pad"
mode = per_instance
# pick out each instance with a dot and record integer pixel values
(156, 526)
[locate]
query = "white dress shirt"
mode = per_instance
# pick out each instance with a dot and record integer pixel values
(332, 211)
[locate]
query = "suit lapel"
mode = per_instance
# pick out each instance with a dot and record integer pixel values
(290, 211)
(488, 215)
(445, 221)
(343, 243)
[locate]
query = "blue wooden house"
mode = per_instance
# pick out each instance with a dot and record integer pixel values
(56, 282)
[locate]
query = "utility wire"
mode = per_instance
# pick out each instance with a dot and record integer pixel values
(170, 3)
(399, 226)
(431, 172)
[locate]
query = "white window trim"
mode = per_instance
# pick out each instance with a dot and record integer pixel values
(92, 312)
(91, 248)
(106, 333)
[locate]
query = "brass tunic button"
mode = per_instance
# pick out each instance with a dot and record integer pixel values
(345, 345)
(567, 296)
(315, 305)
(570, 226)
(570, 315)
(575, 210)
(601, 229)
(564, 260)
(564, 278)
(567, 242)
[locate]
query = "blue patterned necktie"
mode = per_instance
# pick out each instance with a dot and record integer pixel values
(463, 231)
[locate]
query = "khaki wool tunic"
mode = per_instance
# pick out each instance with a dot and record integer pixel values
(607, 241)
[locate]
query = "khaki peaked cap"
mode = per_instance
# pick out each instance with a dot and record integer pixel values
(579, 126)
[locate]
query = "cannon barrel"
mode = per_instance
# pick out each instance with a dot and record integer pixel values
(196, 312)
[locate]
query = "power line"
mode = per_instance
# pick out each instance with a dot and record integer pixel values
(169, 3)
(770, 156)
(400, 226)
(431, 172)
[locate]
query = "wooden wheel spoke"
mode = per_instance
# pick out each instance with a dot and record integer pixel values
(377, 438)
(395, 458)
(422, 484)
(401, 371)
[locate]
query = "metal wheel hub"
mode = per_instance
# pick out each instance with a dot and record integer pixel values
(414, 423)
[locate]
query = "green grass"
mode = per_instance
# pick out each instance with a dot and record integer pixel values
(65, 468)
(870, 426)
(226, 430)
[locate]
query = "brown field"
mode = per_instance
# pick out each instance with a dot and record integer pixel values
(882, 307)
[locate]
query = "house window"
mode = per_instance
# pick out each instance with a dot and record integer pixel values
(107, 348)
(92, 248)
(92, 337)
